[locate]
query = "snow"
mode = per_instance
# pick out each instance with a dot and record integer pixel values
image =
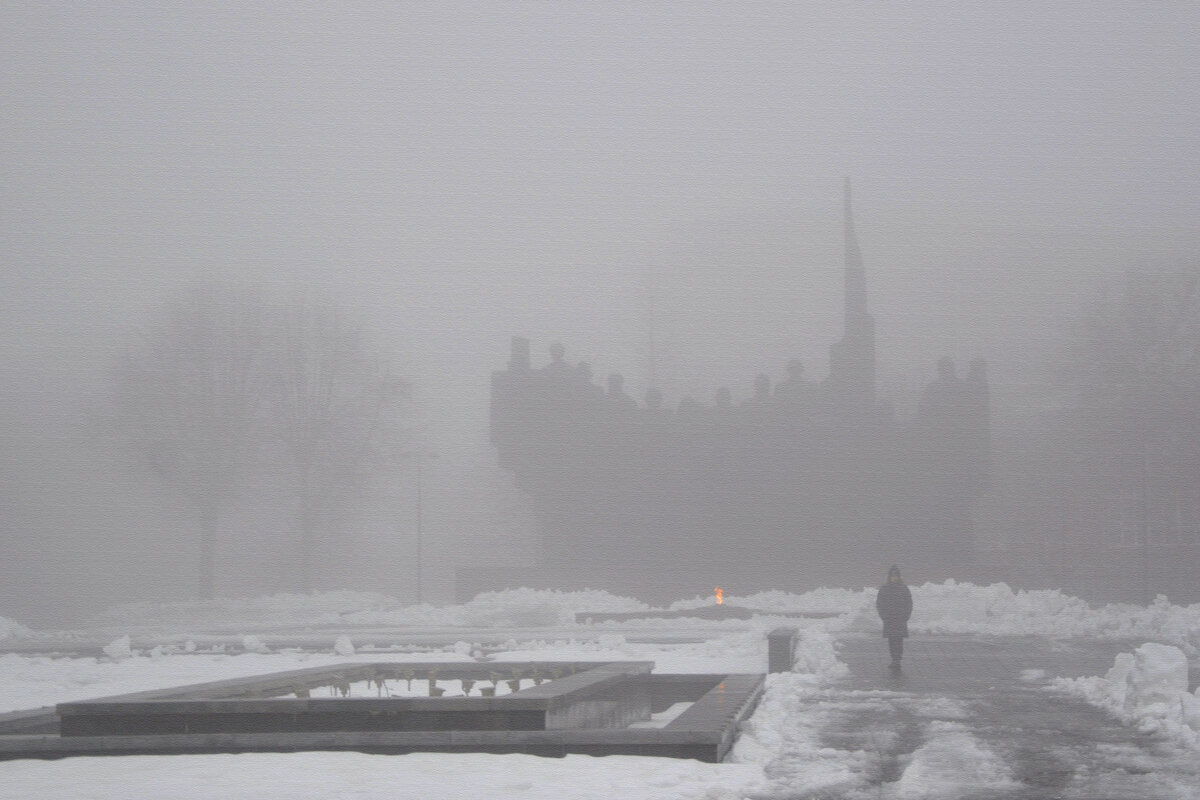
(119, 649)
(35, 681)
(253, 644)
(1148, 689)
(428, 776)
(786, 742)
(511, 608)
(952, 762)
(946, 608)
(11, 629)
(779, 752)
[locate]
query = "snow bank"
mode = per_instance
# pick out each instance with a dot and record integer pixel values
(994, 610)
(945, 608)
(511, 608)
(999, 610)
(317, 608)
(778, 728)
(816, 655)
(1148, 689)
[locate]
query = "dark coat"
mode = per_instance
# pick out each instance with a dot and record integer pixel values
(894, 604)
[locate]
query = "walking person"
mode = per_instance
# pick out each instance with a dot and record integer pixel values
(894, 604)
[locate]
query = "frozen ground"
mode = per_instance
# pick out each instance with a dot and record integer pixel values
(1004, 695)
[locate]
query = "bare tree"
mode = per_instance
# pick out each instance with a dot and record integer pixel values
(1141, 346)
(189, 397)
(336, 413)
(228, 386)
(1135, 359)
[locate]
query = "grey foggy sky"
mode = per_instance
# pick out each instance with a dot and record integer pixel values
(516, 167)
(464, 172)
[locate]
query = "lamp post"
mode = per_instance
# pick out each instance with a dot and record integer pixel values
(1145, 521)
(419, 457)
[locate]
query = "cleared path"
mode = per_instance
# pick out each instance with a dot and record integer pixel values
(975, 718)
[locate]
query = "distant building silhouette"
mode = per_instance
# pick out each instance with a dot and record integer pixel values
(814, 484)
(617, 400)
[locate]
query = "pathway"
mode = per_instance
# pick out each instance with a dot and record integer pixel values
(975, 718)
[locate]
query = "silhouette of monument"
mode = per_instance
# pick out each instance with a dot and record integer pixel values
(814, 484)
(852, 358)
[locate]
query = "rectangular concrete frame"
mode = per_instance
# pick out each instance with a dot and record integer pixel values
(584, 710)
(570, 698)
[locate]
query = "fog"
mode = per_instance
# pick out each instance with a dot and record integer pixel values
(461, 173)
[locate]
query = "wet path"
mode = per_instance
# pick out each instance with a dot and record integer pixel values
(975, 718)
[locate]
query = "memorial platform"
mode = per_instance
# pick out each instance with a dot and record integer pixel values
(538, 708)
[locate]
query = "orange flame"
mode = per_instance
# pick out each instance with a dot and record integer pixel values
(720, 595)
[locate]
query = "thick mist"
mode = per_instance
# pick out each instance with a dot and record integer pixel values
(600, 176)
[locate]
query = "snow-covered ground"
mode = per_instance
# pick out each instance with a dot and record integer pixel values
(779, 753)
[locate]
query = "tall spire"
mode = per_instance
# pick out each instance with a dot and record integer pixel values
(856, 277)
(852, 359)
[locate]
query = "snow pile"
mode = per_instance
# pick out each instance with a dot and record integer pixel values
(1148, 689)
(11, 629)
(252, 644)
(784, 735)
(953, 763)
(1160, 620)
(119, 649)
(816, 655)
(953, 607)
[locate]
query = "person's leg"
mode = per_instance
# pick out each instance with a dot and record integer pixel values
(896, 646)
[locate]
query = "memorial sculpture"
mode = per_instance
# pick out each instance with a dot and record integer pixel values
(813, 483)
